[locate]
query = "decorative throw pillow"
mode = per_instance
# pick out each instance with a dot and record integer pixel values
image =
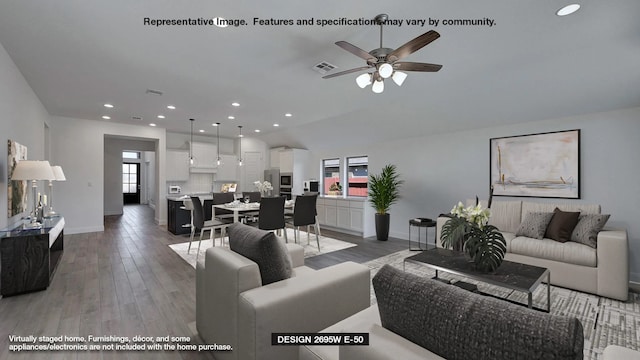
(589, 225)
(457, 324)
(264, 248)
(561, 225)
(534, 225)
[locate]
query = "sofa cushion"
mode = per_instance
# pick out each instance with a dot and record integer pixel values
(505, 215)
(569, 252)
(529, 206)
(561, 225)
(264, 248)
(475, 327)
(534, 225)
(587, 229)
(508, 237)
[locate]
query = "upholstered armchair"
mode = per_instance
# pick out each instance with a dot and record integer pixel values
(234, 308)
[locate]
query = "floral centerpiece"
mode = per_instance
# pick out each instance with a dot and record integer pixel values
(263, 186)
(468, 229)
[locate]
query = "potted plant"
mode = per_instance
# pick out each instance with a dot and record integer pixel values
(468, 230)
(384, 190)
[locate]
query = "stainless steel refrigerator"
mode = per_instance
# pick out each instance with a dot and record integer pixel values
(273, 176)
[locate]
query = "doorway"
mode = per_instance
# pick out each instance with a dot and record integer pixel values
(130, 183)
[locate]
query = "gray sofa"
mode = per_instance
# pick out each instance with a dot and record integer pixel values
(234, 308)
(602, 271)
(419, 318)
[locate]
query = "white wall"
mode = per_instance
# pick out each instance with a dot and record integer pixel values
(113, 148)
(251, 145)
(151, 183)
(442, 169)
(22, 119)
(78, 146)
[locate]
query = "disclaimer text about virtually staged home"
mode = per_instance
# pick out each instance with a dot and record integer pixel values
(311, 21)
(28, 343)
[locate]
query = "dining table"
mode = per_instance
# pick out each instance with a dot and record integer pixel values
(241, 207)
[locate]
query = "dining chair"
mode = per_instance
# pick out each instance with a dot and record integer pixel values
(271, 214)
(304, 213)
(254, 196)
(220, 199)
(199, 223)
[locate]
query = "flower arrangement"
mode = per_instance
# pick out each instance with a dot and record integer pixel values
(263, 186)
(468, 230)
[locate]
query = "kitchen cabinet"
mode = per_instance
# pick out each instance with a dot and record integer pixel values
(341, 214)
(205, 157)
(274, 157)
(228, 168)
(177, 165)
(179, 220)
(294, 162)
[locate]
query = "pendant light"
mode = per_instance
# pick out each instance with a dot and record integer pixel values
(191, 159)
(218, 137)
(240, 146)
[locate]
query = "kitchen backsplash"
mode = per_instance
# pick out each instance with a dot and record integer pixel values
(197, 183)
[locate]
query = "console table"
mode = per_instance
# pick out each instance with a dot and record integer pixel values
(29, 257)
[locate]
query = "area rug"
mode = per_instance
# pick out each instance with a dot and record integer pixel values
(605, 321)
(327, 245)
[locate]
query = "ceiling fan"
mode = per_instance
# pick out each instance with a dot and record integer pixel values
(384, 61)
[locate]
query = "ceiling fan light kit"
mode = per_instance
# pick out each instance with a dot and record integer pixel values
(385, 60)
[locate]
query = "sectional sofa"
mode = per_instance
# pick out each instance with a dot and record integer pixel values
(601, 270)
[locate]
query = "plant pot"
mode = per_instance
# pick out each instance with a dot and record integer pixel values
(382, 226)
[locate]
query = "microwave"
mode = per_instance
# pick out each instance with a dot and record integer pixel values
(174, 189)
(286, 179)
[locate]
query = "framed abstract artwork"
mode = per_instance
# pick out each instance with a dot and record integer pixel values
(17, 190)
(536, 165)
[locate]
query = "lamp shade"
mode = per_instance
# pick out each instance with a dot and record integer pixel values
(398, 77)
(363, 80)
(33, 170)
(385, 70)
(58, 173)
(378, 86)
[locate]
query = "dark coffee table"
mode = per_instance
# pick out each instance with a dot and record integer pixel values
(511, 275)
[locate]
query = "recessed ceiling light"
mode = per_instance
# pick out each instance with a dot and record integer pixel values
(108, 106)
(257, 130)
(106, 117)
(235, 104)
(219, 22)
(231, 117)
(288, 115)
(567, 10)
(214, 124)
(152, 124)
(276, 125)
(201, 130)
(160, 116)
(171, 107)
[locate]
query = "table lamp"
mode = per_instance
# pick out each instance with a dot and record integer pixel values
(33, 170)
(59, 174)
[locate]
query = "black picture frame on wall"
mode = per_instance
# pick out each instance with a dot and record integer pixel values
(536, 165)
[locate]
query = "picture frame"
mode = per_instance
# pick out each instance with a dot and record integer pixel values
(536, 165)
(16, 190)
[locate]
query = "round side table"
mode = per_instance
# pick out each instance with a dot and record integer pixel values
(420, 223)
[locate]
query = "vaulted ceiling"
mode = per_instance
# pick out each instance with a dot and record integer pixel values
(530, 65)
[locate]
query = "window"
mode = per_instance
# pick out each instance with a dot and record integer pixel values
(131, 155)
(331, 177)
(357, 175)
(129, 178)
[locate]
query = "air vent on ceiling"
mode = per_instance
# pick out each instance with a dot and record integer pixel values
(153, 92)
(324, 67)
(136, 117)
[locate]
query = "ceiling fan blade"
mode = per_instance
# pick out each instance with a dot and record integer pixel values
(357, 51)
(415, 66)
(413, 45)
(346, 72)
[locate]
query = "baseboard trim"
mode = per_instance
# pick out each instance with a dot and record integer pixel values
(344, 231)
(82, 230)
(113, 212)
